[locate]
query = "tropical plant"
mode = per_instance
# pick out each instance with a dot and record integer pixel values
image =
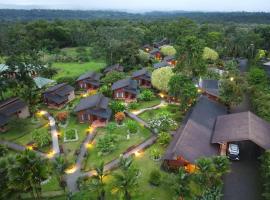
(97, 182)
(62, 116)
(112, 77)
(117, 106)
(59, 165)
(164, 138)
(182, 87)
(27, 173)
(126, 181)
(161, 77)
(155, 154)
(132, 126)
(146, 95)
(133, 106)
(107, 144)
(40, 138)
(105, 90)
(155, 178)
(110, 127)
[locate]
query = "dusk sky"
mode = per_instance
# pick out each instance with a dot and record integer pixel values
(144, 5)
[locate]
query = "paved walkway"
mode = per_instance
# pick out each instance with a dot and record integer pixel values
(54, 134)
(114, 163)
(136, 118)
(17, 147)
(138, 112)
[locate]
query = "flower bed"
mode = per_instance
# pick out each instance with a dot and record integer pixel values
(71, 135)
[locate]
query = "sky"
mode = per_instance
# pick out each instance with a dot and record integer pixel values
(143, 5)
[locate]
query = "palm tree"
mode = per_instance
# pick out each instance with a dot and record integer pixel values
(97, 183)
(27, 173)
(59, 167)
(127, 180)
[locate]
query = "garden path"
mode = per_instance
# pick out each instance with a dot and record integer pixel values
(54, 134)
(138, 112)
(17, 147)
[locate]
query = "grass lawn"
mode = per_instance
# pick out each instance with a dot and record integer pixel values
(51, 185)
(172, 109)
(148, 104)
(144, 191)
(74, 69)
(71, 147)
(123, 144)
(21, 128)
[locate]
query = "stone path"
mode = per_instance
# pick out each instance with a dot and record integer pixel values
(138, 112)
(114, 163)
(54, 134)
(17, 147)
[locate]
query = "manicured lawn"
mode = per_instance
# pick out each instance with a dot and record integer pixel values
(71, 147)
(74, 69)
(52, 185)
(148, 104)
(172, 109)
(122, 145)
(21, 128)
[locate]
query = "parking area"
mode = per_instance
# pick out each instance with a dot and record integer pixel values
(243, 182)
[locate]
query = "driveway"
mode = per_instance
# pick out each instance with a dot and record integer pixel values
(243, 182)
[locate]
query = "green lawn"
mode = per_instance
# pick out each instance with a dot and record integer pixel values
(148, 104)
(74, 69)
(123, 144)
(52, 185)
(71, 147)
(21, 128)
(172, 109)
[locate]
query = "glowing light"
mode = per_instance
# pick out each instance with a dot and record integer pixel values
(161, 95)
(29, 147)
(135, 112)
(137, 154)
(90, 129)
(231, 79)
(51, 154)
(52, 123)
(42, 112)
(89, 145)
(199, 90)
(85, 95)
(71, 170)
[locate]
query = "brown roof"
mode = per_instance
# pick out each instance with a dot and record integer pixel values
(193, 139)
(240, 127)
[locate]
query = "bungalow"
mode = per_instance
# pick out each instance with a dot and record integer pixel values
(126, 89)
(116, 67)
(89, 81)
(210, 88)
(93, 109)
(161, 64)
(193, 140)
(58, 95)
(12, 108)
(170, 59)
(143, 77)
(161, 43)
(155, 54)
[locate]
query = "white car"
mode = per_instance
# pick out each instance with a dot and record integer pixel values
(233, 151)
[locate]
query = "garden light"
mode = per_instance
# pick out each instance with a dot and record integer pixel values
(71, 170)
(51, 154)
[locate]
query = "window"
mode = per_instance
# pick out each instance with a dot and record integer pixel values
(120, 94)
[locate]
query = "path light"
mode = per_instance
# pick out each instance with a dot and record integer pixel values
(51, 154)
(161, 95)
(199, 90)
(90, 129)
(29, 147)
(42, 112)
(89, 145)
(52, 123)
(135, 112)
(231, 79)
(71, 170)
(137, 154)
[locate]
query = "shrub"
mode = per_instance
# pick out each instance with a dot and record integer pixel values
(119, 117)
(117, 106)
(161, 77)
(146, 95)
(133, 106)
(70, 134)
(155, 178)
(106, 144)
(168, 50)
(111, 127)
(106, 91)
(40, 138)
(132, 126)
(164, 138)
(155, 154)
(62, 116)
(163, 123)
(210, 54)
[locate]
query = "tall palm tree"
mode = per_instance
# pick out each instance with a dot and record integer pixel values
(127, 180)
(59, 166)
(27, 173)
(97, 183)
